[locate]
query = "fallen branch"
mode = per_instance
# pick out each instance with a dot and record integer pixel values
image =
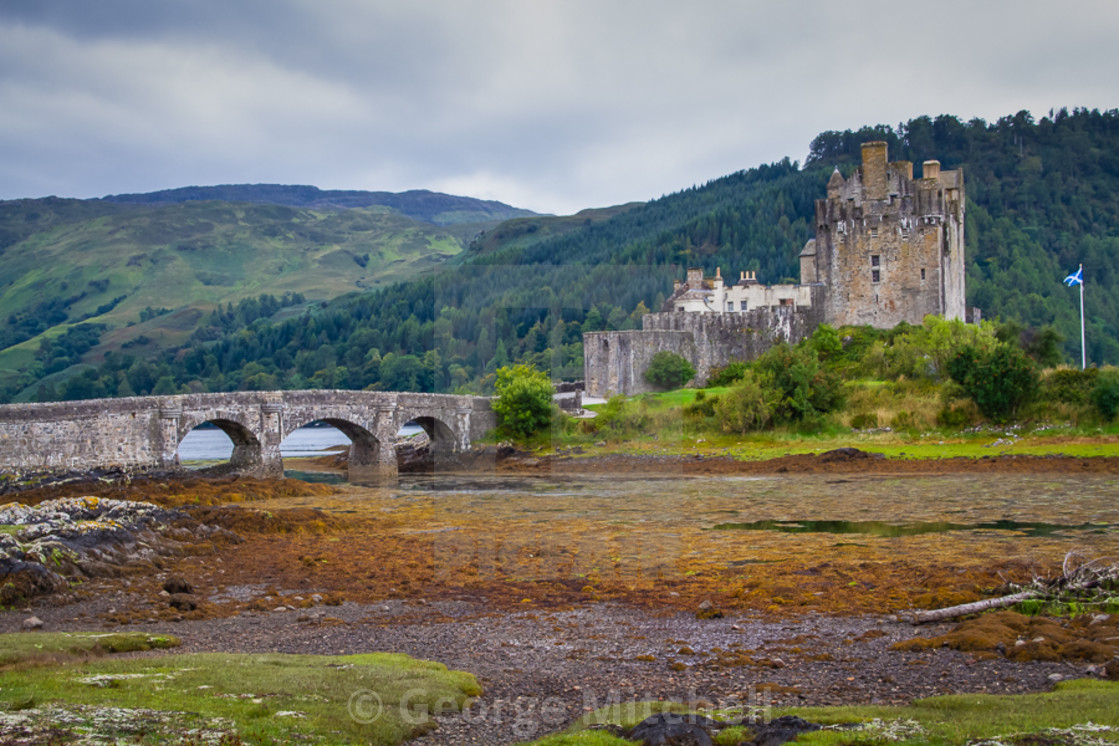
(1075, 579)
(951, 612)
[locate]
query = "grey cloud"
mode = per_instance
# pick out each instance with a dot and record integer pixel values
(553, 105)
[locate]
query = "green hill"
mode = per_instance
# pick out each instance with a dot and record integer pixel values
(419, 204)
(1041, 199)
(148, 275)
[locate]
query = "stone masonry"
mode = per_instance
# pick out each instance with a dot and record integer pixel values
(888, 248)
(144, 432)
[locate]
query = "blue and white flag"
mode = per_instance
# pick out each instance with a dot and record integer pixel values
(1076, 278)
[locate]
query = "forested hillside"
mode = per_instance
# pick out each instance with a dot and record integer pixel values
(143, 273)
(1041, 199)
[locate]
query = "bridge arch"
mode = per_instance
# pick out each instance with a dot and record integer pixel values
(443, 440)
(248, 450)
(365, 446)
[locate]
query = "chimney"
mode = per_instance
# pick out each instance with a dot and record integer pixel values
(931, 170)
(874, 169)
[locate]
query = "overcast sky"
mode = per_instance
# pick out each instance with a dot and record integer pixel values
(552, 105)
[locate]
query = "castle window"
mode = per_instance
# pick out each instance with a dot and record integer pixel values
(743, 305)
(875, 260)
(874, 233)
(875, 275)
(922, 273)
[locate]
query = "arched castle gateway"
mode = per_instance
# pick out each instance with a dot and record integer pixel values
(144, 432)
(888, 248)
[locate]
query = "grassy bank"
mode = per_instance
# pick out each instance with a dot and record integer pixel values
(47, 688)
(684, 422)
(1075, 712)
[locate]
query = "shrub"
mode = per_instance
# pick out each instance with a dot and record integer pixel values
(749, 405)
(1070, 385)
(667, 370)
(1105, 397)
(864, 421)
(524, 400)
(803, 388)
(826, 343)
(957, 415)
(999, 380)
(728, 374)
(702, 406)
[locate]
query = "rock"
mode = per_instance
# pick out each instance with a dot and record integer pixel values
(780, 730)
(1099, 619)
(708, 610)
(672, 729)
(1055, 677)
(182, 602)
(32, 622)
(176, 584)
(1111, 670)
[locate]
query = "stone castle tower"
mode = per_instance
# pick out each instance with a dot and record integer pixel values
(888, 247)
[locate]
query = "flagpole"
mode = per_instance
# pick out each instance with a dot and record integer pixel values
(1083, 350)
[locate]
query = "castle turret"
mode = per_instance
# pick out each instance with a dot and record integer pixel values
(835, 184)
(874, 170)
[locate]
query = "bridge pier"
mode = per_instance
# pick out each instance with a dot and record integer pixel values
(169, 416)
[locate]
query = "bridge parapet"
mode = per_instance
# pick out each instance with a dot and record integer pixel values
(144, 432)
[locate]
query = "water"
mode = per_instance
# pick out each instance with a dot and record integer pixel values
(882, 528)
(211, 444)
(637, 529)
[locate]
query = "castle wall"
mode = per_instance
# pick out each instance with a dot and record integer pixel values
(615, 362)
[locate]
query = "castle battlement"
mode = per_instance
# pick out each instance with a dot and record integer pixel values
(888, 248)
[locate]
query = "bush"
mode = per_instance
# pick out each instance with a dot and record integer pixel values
(728, 374)
(864, 421)
(826, 343)
(1070, 385)
(524, 400)
(803, 388)
(702, 406)
(749, 405)
(999, 380)
(667, 370)
(1105, 397)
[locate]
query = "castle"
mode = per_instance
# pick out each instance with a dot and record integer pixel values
(888, 248)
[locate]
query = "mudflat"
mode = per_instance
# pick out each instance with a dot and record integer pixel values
(564, 595)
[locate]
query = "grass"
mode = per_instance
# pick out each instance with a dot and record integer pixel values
(950, 719)
(18, 648)
(658, 424)
(373, 698)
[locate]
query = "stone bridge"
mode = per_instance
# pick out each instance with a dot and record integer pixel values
(144, 432)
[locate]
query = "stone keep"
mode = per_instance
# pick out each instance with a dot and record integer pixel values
(888, 247)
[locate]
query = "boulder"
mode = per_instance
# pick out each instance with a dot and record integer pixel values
(673, 729)
(182, 602)
(176, 584)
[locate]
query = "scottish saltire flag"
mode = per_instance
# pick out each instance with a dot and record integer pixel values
(1077, 278)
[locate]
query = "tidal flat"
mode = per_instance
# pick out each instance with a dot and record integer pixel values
(564, 592)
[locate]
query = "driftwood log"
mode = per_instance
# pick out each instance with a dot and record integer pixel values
(1077, 577)
(951, 612)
